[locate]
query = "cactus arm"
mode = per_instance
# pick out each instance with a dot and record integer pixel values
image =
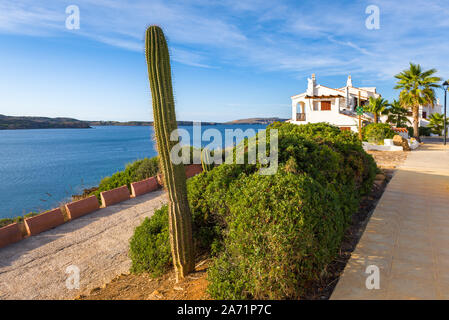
(206, 161)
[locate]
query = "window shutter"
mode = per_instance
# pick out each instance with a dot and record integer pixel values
(325, 105)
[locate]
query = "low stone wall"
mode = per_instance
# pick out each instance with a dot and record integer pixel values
(55, 217)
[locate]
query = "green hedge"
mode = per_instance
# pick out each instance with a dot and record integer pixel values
(423, 131)
(283, 230)
(356, 166)
(269, 236)
(150, 245)
(377, 132)
(207, 199)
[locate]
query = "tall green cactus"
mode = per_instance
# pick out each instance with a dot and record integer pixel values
(206, 161)
(180, 217)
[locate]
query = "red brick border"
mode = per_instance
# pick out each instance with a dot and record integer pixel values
(10, 234)
(144, 186)
(44, 221)
(193, 170)
(79, 208)
(114, 196)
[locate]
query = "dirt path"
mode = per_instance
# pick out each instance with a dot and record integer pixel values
(97, 244)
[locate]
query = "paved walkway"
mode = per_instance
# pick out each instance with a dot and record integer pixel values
(407, 237)
(35, 268)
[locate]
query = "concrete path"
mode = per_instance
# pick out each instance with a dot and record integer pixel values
(35, 268)
(407, 237)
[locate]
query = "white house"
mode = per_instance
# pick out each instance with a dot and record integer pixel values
(335, 106)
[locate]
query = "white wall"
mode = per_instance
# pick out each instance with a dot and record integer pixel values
(332, 116)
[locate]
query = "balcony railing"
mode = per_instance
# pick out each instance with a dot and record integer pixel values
(300, 117)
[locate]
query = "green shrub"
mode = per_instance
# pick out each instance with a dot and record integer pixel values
(355, 165)
(425, 131)
(294, 220)
(207, 199)
(146, 168)
(6, 221)
(377, 132)
(136, 171)
(283, 230)
(149, 248)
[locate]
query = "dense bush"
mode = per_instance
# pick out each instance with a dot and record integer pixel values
(283, 230)
(207, 199)
(149, 248)
(423, 131)
(356, 166)
(271, 235)
(377, 132)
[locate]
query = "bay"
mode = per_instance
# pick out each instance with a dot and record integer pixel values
(42, 168)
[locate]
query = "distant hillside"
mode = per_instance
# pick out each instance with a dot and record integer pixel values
(187, 123)
(7, 122)
(11, 122)
(141, 123)
(256, 121)
(117, 123)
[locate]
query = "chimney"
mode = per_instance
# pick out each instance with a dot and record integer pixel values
(311, 85)
(349, 81)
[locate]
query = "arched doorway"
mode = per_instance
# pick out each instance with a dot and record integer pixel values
(301, 111)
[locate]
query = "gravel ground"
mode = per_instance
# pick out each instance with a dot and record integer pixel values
(389, 159)
(97, 244)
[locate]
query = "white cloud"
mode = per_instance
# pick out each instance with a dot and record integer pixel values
(310, 36)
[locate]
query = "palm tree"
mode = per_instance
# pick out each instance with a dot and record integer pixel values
(417, 90)
(377, 106)
(397, 115)
(436, 122)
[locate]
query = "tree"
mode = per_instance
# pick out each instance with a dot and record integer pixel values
(417, 89)
(397, 115)
(436, 123)
(377, 106)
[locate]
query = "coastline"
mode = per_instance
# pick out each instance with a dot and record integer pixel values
(26, 122)
(61, 164)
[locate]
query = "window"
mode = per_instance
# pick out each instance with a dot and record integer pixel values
(345, 128)
(325, 105)
(424, 114)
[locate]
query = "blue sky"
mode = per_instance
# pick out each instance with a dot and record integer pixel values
(230, 59)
